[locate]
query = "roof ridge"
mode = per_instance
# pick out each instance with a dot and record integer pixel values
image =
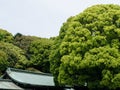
(26, 71)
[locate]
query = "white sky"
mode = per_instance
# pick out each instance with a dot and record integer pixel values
(41, 18)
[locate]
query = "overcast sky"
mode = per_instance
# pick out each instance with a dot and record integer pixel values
(41, 18)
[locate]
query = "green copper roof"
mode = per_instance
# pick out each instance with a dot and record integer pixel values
(8, 85)
(30, 78)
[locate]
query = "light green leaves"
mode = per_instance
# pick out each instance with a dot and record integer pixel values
(88, 48)
(6, 36)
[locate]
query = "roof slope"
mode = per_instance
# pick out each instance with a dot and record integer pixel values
(30, 78)
(8, 85)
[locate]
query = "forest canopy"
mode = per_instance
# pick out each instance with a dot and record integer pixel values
(24, 52)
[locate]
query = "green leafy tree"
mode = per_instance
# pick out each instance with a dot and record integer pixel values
(14, 56)
(39, 52)
(3, 61)
(5, 36)
(87, 49)
(23, 41)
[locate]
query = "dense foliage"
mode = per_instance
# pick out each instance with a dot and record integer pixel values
(15, 56)
(39, 52)
(23, 41)
(26, 52)
(36, 50)
(10, 55)
(5, 36)
(87, 49)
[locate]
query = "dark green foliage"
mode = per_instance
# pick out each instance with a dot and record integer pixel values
(88, 49)
(39, 51)
(26, 52)
(36, 50)
(3, 61)
(23, 41)
(11, 56)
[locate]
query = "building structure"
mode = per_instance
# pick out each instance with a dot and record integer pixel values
(17, 79)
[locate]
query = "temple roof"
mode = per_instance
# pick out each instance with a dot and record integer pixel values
(8, 85)
(30, 78)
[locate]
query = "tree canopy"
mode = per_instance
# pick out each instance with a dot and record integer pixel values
(39, 51)
(23, 41)
(5, 36)
(12, 55)
(26, 52)
(87, 49)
